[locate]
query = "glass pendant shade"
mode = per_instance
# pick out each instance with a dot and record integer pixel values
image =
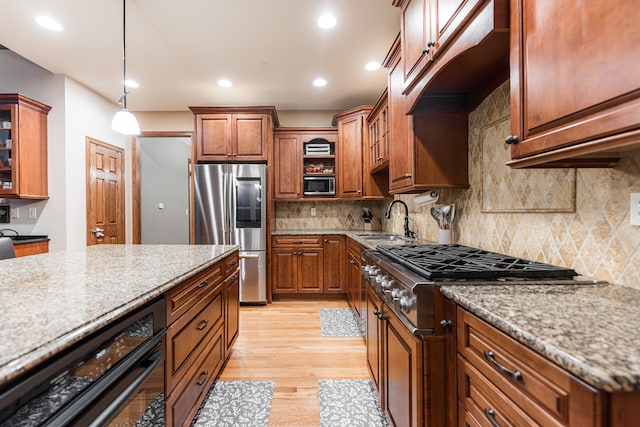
(125, 122)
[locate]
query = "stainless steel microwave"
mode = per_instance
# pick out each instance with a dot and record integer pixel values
(319, 186)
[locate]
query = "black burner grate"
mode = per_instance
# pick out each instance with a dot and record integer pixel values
(464, 262)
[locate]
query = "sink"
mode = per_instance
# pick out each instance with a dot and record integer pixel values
(388, 237)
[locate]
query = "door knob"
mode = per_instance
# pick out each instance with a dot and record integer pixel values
(99, 232)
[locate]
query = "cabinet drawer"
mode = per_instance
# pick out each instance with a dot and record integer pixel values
(184, 400)
(354, 247)
(185, 335)
(230, 264)
(298, 241)
(482, 402)
(523, 375)
(184, 296)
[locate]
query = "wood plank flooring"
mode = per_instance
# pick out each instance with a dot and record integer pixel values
(282, 342)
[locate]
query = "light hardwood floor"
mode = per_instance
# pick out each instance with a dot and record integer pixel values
(282, 342)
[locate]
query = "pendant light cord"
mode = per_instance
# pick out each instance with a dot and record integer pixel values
(124, 53)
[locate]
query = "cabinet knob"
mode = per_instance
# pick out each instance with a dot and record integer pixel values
(446, 324)
(511, 139)
(407, 175)
(429, 46)
(425, 50)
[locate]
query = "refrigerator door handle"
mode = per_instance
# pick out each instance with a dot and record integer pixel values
(249, 256)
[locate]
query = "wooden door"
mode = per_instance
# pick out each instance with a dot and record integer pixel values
(249, 137)
(105, 193)
(213, 137)
(574, 72)
(310, 274)
(287, 155)
(416, 35)
(284, 263)
(334, 247)
(350, 150)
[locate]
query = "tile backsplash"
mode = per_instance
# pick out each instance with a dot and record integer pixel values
(336, 215)
(595, 239)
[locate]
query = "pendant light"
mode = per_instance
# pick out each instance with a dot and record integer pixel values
(124, 121)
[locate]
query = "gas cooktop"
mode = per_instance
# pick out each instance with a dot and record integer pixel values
(454, 262)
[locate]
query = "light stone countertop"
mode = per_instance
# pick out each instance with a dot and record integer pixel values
(354, 234)
(50, 301)
(592, 331)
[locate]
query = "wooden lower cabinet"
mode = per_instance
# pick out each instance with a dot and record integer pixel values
(31, 248)
(354, 279)
(202, 325)
(333, 259)
(297, 264)
(408, 370)
(503, 382)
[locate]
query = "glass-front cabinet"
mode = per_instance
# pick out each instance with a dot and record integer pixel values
(23, 147)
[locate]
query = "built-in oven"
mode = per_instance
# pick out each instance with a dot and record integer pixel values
(319, 186)
(113, 378)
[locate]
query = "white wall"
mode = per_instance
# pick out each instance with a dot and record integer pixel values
(76, 113)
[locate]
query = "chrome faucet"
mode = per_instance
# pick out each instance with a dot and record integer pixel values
(407, 233)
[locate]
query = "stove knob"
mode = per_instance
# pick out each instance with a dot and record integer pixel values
(406, 304)
(387, 283)
(380, 278)
(395, 293)
(374, 271)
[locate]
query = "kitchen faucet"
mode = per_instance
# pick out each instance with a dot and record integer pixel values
(407, 233)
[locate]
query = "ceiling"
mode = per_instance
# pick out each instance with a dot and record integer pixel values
(271, 50)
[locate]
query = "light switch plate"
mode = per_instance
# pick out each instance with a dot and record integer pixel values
(313, 211)
(634, 209)
(32, 213)
(15, 213)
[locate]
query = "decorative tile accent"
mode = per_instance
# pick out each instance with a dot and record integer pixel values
(237, 404)
(596, 240)
(339, 322)
(536, 190)
(352, 403)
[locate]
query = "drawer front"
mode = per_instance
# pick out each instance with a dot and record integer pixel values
(231, 264)
(354, 247)
(183, 403)
(526, 377)
(186, 334)
(184, 296)
(297, 241)
(482, 402)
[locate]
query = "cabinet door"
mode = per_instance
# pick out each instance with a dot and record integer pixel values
(334, 253)
(401, 147)
(213, 137)
(402, 374)
(574, 73)
(287, 155)
(416, 36)
(449, 17)
(284, 263)
(374, 338)
(350, 132)
(310, 274)
(250, 137)
(232, 309)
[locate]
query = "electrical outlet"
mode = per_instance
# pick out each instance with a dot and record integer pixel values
(15, 213)
(32, 213)
(313, 211)
(634, 209)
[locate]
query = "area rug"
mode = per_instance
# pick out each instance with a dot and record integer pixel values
(339, 322)
(350, 403)
(236, 403)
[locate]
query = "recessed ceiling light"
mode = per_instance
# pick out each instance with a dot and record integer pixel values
(49, 23)
(372, 66)
(224, 83)
(327, 21)
(131, 83)
(319, 82)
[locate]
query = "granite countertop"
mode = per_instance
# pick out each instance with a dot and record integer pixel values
(356, 235)
(50, 301)
(593, 331)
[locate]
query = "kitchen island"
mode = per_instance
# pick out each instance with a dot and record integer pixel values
(49, 302)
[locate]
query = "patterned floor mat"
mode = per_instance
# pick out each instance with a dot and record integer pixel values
(236, 403)
(339, 322)
(350, 403)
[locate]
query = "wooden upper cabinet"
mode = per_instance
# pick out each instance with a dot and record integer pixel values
(23, 147)
(351, 137)
(575, 86)
(233, 134)
(417, 38)
(378, 123)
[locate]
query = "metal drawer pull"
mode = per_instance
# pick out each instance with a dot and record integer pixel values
(203, 284)
(235, 261)
(204, 376)
(491, 358)
(378, 314)
(203, 325)
(491, 416)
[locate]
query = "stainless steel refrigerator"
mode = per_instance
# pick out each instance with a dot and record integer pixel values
(230, 209)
